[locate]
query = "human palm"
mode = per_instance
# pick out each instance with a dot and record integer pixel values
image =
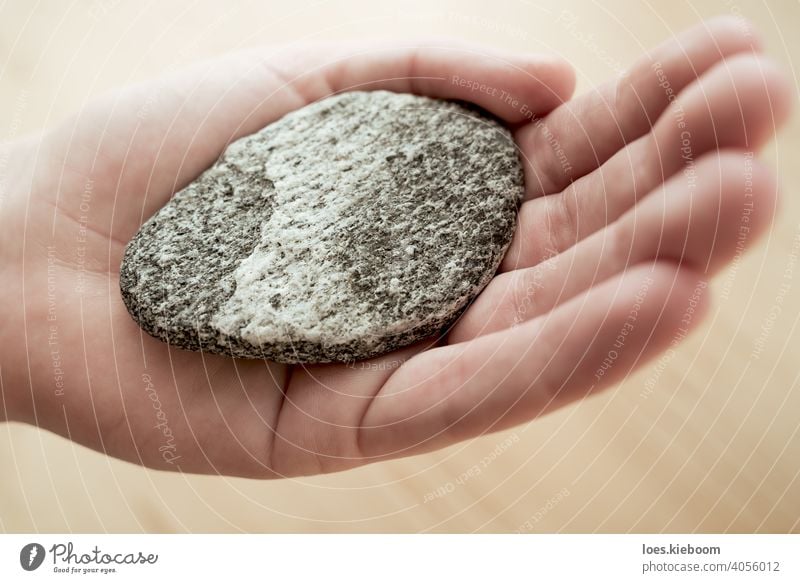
(630, 203)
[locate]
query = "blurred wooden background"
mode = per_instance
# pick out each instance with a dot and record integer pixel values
(715, 446)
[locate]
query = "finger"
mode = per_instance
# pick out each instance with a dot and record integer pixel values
(739, 103)
(701, 220)
(583, 133)
(513, 86)
(140, 145)
(503, 379)
(324, 404)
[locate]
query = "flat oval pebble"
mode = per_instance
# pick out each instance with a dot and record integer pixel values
(349, 228)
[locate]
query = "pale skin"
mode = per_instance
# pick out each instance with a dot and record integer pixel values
(610, 225)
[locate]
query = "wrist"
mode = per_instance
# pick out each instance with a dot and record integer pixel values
(15, 380)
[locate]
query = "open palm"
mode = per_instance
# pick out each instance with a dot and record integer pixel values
(635, 192)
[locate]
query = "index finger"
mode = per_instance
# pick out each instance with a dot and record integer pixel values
(146, 142)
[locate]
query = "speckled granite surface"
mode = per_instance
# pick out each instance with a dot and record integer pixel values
(354, 226)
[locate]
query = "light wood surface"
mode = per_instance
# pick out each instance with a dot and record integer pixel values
(715, 446)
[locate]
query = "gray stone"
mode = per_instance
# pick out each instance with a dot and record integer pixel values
(351, 227)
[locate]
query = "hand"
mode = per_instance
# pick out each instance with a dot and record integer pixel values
(631, 203)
